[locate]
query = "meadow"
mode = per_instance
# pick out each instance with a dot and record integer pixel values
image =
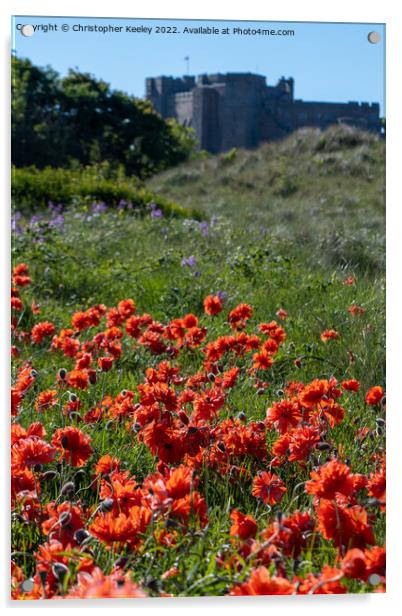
(198, 405)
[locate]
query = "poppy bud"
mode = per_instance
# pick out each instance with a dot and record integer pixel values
(80, 535)
(242, 416)
(108, 424)
(124, 392)
(92, 377)
(62, 373)
(37, 468)
(34, 373)
(65, 518)
(59, 571)
(322, 446)
(211, 377)
(67, 488)
(121, 562)
(49, 475)
(260, 391)
(43, 578)
(106, 505)
(72, 397)
(221, 447)
(64, 442)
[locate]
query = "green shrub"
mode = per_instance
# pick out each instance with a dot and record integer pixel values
(33, 189)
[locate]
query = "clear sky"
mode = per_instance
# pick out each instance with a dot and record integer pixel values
(329, 62)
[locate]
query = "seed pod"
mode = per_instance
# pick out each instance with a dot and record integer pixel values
(59, 571)
(279, 392)
(80, 535)
(124, 392)
(121, 562)
(260, 391)
(106, 505)
(49, 475)
(211, 377)
(221, 447)
(68, 488)
(322, 446)
(380, 421)
(34, 373)
(242, 416)
(72, 397)
(62, 373)
(65, 518)
(43, 578)
(108, 424)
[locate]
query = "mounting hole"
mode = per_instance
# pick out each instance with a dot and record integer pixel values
(27, 585)
(373, 37)
(27, 30)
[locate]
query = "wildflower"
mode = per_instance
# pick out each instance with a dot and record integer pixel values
(284, 415)
(41, 331)
(243, 526)
(350, 280)
(73, 445)
(329, 334)
(213, 305)
(374, 395)
(78, 379)
(239, 316)
(269, 487)
(346, 526)
(97, 585)
(261, 583)
(331, 479)
(31, 451)
(189, 261)
(351, 385)
(46, 400)
(282, 314)
(355, 310)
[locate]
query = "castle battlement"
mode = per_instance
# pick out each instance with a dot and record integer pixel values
(242, 110)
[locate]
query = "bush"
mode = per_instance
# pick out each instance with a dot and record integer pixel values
(33, 189)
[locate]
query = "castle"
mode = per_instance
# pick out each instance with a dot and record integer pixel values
(241, 110)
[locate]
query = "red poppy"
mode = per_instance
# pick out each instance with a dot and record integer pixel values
(73, 445)
(374, 395)
(213, 305)
(261, 583)
(269, 487)
(243, 526)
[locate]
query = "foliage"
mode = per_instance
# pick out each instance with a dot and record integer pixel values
(56, 121)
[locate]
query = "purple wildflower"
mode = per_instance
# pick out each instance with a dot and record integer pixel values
(188, 261)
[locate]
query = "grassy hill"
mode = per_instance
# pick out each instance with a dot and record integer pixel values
(323, 192)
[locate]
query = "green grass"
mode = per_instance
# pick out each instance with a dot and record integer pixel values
(293, 220)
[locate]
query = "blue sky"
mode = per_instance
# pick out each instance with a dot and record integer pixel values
(329, 62)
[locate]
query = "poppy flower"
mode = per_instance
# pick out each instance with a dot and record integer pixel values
(97, 585)
(330, 479)
(351, 385)
(374, 395)
(269, 487)
(239, 316)
(329, 334)
(243, 526)
(261, 583)
(355, 310)
(346, 526)
(40, 331)
(31, 451)
(46, 399)
(284, 415)
(213, 305)
(73, 445)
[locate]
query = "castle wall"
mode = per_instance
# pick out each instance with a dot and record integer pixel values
(241, 110)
